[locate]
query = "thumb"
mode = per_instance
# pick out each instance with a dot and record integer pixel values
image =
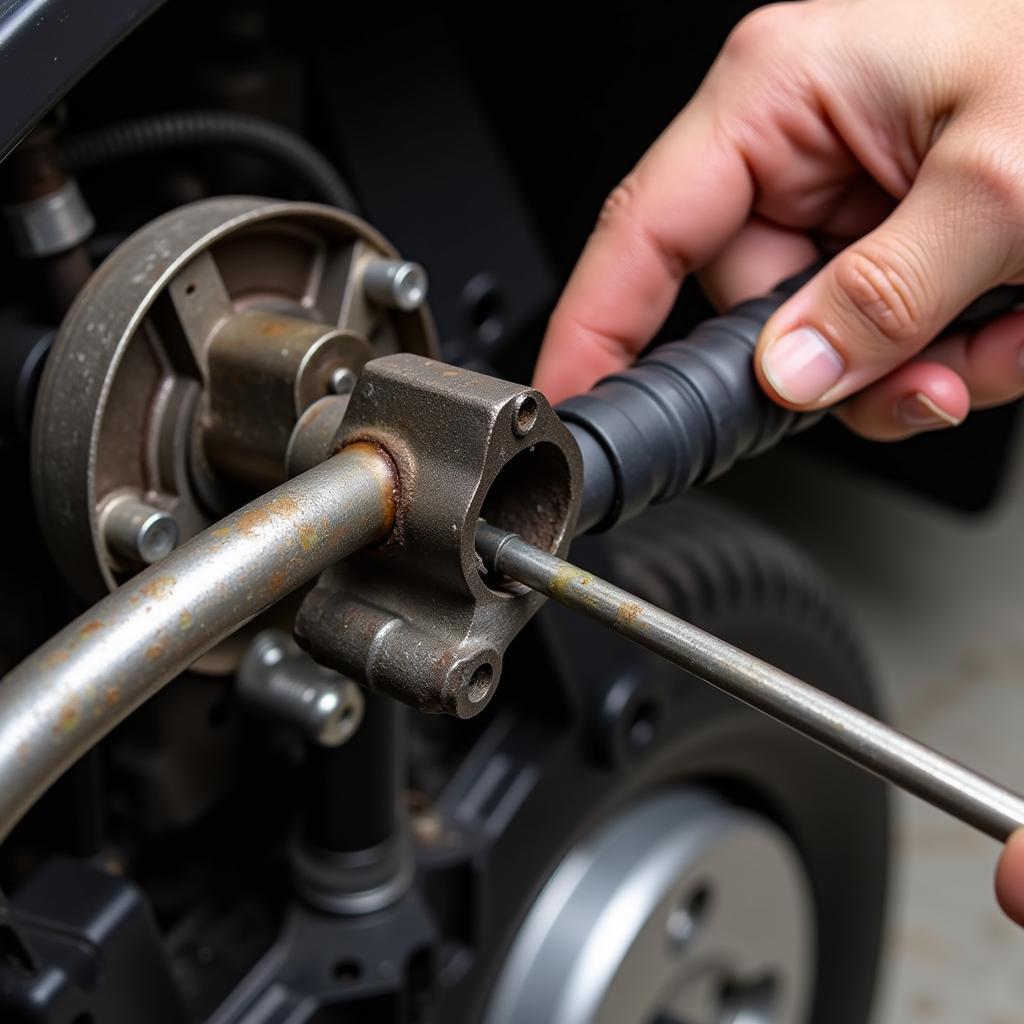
(882, 300)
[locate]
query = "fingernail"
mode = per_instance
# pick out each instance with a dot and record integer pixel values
(802, 366)
(918, 410)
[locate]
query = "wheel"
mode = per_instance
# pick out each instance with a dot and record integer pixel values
(667, 855)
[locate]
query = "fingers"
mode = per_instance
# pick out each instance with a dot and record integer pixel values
(949, 378)
(883, 299)
(684, 200)
(1010, 878)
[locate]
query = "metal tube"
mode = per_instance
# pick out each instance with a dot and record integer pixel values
(74, 689)
(842, 729)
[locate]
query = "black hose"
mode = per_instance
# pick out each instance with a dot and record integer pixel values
(193, 129)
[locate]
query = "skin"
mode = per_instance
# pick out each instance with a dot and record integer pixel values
(883, 132)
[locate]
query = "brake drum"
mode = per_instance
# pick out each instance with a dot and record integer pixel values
(180, 371)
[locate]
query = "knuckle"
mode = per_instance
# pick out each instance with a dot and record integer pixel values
(884, 291)
(619, 208)
(762, 31)
(992, 171)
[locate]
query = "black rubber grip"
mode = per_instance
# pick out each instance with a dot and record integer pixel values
(686, 412)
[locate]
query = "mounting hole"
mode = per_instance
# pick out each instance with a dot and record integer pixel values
(524, 415)
(190, 289)
(479, 685)
(686, 918)
(347, 971)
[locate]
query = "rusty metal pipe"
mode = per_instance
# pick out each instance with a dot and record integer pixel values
(74, 689)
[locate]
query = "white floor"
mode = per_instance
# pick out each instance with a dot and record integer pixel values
(939, 598)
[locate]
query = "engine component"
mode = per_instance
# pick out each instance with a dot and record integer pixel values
(281, 682)
(416, 619)
(48, 218)
(187, 359)
(655, 917)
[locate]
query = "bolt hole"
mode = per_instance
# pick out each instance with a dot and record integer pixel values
(642, 725)
(347, 971)
(526, 410)
(479, 684)
(190, 289)
(687, 916)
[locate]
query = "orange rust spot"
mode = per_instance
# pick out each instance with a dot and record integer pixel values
(155, 652)
(308, 537)
(160, 587)
(61, 654)
(277, 581)
(251, 521)
(111, 695)
(274, 328)
(68, 719)
(628, 612)
(91, 627)
(222, 531)
(185, 620)
(23, 751)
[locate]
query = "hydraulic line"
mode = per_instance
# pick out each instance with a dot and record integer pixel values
(844, 730)
(74, 689)
(203, 129)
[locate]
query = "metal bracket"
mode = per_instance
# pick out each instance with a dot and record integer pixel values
(417, 618)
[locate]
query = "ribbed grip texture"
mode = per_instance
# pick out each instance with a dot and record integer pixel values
(683, 414)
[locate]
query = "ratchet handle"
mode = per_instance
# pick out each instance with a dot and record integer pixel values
(684, 413)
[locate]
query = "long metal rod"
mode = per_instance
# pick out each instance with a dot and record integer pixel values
(844, 730)
(74, 689)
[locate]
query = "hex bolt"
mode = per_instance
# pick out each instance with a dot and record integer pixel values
(397, 284)
(524, 414)
(281, 682)
(343, 380)
(138, 531)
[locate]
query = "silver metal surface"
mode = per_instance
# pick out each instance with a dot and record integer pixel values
(858, 737)
(397, 284)
(75, 688)
(138, 532)
(682, 908)
(52, 223)
(343, 380)
(278, 680)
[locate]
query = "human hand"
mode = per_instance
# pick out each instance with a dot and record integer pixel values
(889, 127)
(1010, 878)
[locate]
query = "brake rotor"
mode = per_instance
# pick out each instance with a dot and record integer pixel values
(658, 919)
(183, 365)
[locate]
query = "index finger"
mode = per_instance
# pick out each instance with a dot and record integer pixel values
(689, 195)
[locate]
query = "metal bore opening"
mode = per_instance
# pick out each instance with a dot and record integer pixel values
(530, 497)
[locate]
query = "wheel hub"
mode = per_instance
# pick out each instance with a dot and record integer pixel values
(683, 909)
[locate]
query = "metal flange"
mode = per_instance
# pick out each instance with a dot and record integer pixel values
(417, 618)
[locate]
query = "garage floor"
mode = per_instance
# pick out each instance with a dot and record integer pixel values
(939, 599)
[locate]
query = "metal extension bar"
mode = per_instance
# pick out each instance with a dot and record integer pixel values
(74, 689)
(844, 730)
